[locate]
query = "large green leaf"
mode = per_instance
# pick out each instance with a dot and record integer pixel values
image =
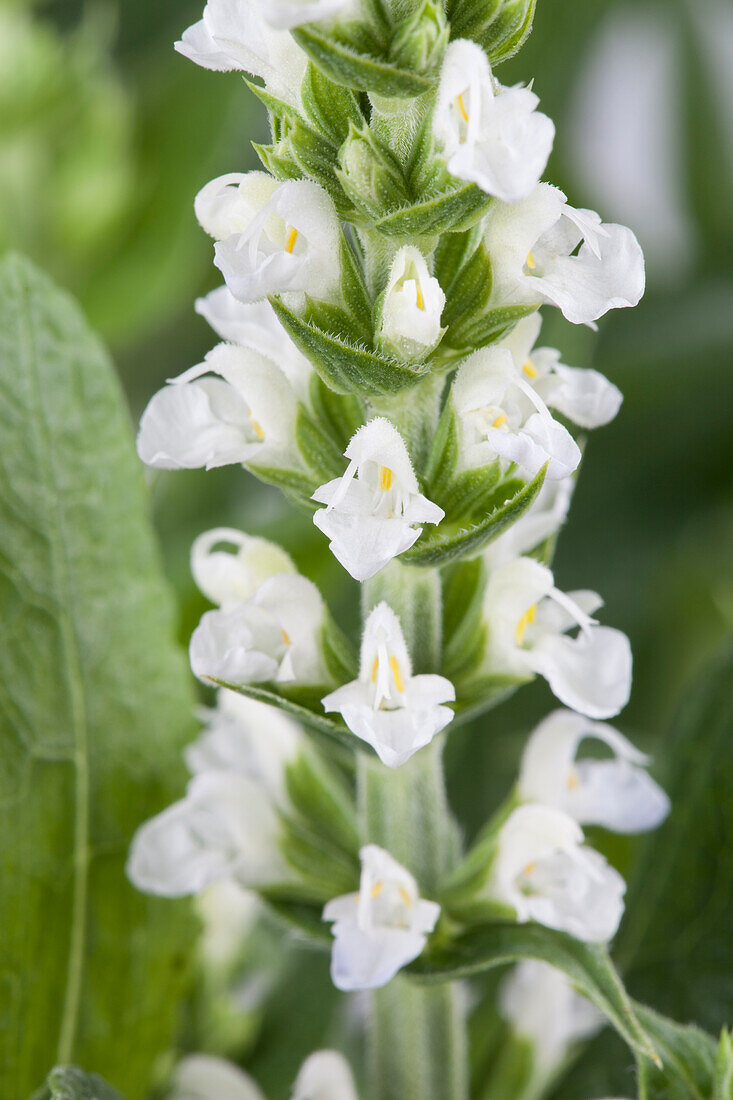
(587, 966)
(95, 706)
(71, 1083)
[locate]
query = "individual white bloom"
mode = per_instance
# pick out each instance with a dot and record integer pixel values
(493, 136)
(542, 1007)
(292, 13)
(412, 307)
(502, 416)
(245, 414)
(227, 578)
(544, 518)
(255, 325)
(584, 396)
(325, 1075)
(276, 635)
(246, 736)
(527, 619)
(618, 793)
(395, 712)
(533, 245)
(372, 511)
(546, 875)
(380, 929)
(272, 237)
(237, 36)
(202, 1077)
(226, 827)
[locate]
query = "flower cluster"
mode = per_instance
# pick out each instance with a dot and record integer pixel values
(379, 362)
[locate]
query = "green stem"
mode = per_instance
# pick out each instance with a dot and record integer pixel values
(417, 1037)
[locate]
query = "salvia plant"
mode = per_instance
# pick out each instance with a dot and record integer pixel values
(381, 363)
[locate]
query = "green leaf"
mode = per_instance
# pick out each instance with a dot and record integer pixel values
(687, 1055)
(508, 33)
(317, 449)
(443, 546)
(71, 1083)
(345, 367)
(450, 211)
(301, 703)
(723, 1084)
(470, 289)
(356, 62)
(588, 967)
(322, 798)
(297, 486)
(339, 414)
(464, 631)
(299, 913)
(331, 107)
(354, 291)
(487, 328)
(96, 706)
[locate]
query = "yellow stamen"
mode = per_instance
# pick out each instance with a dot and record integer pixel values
(530, 369)
(528, 617)
(375, 670)
(385, 478)
(573, 780)
(420, 299)
(292, 238)
(531, 263)
(529, 868)
(405, 896)
(257, 427)
(397, 674)
(286, 637)
(462, 107)
(500, 421)
(377, 889)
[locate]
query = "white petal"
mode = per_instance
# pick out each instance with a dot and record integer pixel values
(379, 442)
(325, 1076)
(296, 605)
(365, 544)
(617, 796)
(201, 1077)
(541, 440)
(194, 425)
(236, 646)
(166, 860)
(292, 13)
(512, 231)
(412, 307)
(590, 673)
(584, 396)
(225, 577)
(584, 287)
(368, 960)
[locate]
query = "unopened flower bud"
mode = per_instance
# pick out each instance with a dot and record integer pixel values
(420, 41)
(369, 175)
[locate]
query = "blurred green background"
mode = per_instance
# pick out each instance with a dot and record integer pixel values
(106, 135)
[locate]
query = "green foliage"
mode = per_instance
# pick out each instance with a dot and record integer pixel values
(96, 707)
(71, 1083)
(353, 55)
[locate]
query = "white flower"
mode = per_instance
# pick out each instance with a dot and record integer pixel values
(244, 415)
(380, 929)
(255, 325)
(291, 13)
(544, 517)
(395, 712)
(233, 35)
(617, 793)
(228, 915)
(246, 736)
(229, 578)
(325, 1075)
(584, 396)
(492, 136)
(372, 511)
(276, 635)
(542, 1007)
(502, 416)
(226, 827)
(532, 245)
(527, 618)
(272, 237)
(202, 1077)
(545, 874)
(412, 307)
